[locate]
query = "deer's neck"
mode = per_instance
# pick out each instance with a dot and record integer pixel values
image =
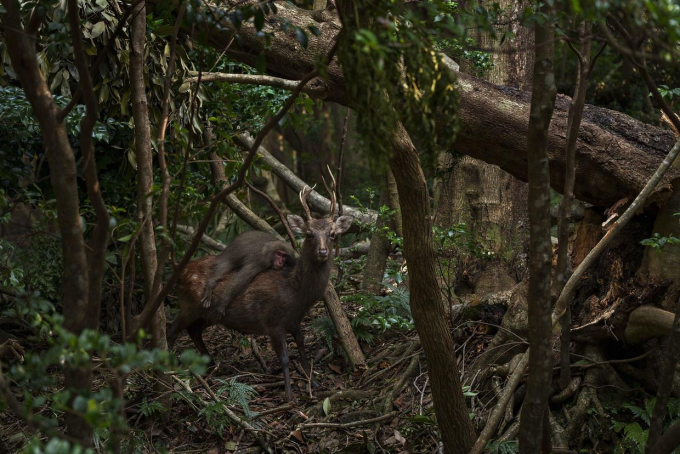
(311, 276)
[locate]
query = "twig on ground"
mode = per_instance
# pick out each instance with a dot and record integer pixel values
(396, 389)
(258, 356)
(347, 425)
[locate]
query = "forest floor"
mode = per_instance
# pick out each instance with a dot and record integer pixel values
(385, 408)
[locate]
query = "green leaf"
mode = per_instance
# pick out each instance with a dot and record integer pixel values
(125, 238)
(327, 406)
(98, 29)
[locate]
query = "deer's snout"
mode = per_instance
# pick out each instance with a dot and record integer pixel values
(323, 253)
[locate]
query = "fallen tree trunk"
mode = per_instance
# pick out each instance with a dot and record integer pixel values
(616, 153)
(316, 200)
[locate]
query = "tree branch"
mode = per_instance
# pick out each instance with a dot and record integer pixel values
(316, 200)
(269, 200)
(256, 79)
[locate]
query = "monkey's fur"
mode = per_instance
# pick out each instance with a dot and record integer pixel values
(248, 255)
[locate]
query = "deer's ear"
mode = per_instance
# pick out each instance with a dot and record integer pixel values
(297, 224)
(343, 223)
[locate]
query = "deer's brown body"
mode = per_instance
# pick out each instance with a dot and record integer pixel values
(249, 254)
(276, 300)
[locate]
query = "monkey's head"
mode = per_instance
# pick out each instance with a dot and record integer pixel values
(282, 259)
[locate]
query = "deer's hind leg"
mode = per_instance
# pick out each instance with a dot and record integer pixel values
(175, 329)
(300, 342)
(196, 333)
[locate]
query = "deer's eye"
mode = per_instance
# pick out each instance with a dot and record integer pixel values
(310, 236)
(332, 235)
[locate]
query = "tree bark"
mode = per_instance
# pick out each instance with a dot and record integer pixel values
(63, 173)
(531, 433)
(376, 261)
(394, 203)
(147, 237)
(428, 312)
(489, 200)
(140, 111)
(616, 153)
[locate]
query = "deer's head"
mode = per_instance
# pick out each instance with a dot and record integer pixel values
(319, 233)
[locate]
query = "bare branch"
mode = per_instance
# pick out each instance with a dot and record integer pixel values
(315, 91)
(278, 211)
(316, 200)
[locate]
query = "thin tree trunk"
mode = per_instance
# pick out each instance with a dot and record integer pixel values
(379, 250)
(540, 246)
(147, 238)
(80, 378)
(564, 215)
(428, 312)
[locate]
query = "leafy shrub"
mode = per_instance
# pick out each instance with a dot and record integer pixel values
(39, 376)
(635, 432)
(377, 314)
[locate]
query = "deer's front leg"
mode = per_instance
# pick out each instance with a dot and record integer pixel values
(279, 344)
(300, 342)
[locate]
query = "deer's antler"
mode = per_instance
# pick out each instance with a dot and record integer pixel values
(331, 190)
(303, 200)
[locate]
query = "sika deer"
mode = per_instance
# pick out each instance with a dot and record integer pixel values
(276, 300)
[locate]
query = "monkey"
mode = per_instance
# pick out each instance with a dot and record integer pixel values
(249, 253)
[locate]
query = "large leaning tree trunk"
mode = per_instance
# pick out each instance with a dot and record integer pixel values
(428, 312)
(616, 153)
(486, 198)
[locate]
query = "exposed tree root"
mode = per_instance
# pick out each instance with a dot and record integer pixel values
(648, 322)
(568, 392)
(396, 389)
(594, 378)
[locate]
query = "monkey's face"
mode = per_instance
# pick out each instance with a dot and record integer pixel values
(282, 259)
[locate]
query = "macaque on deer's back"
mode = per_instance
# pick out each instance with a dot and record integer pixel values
(246, 256)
